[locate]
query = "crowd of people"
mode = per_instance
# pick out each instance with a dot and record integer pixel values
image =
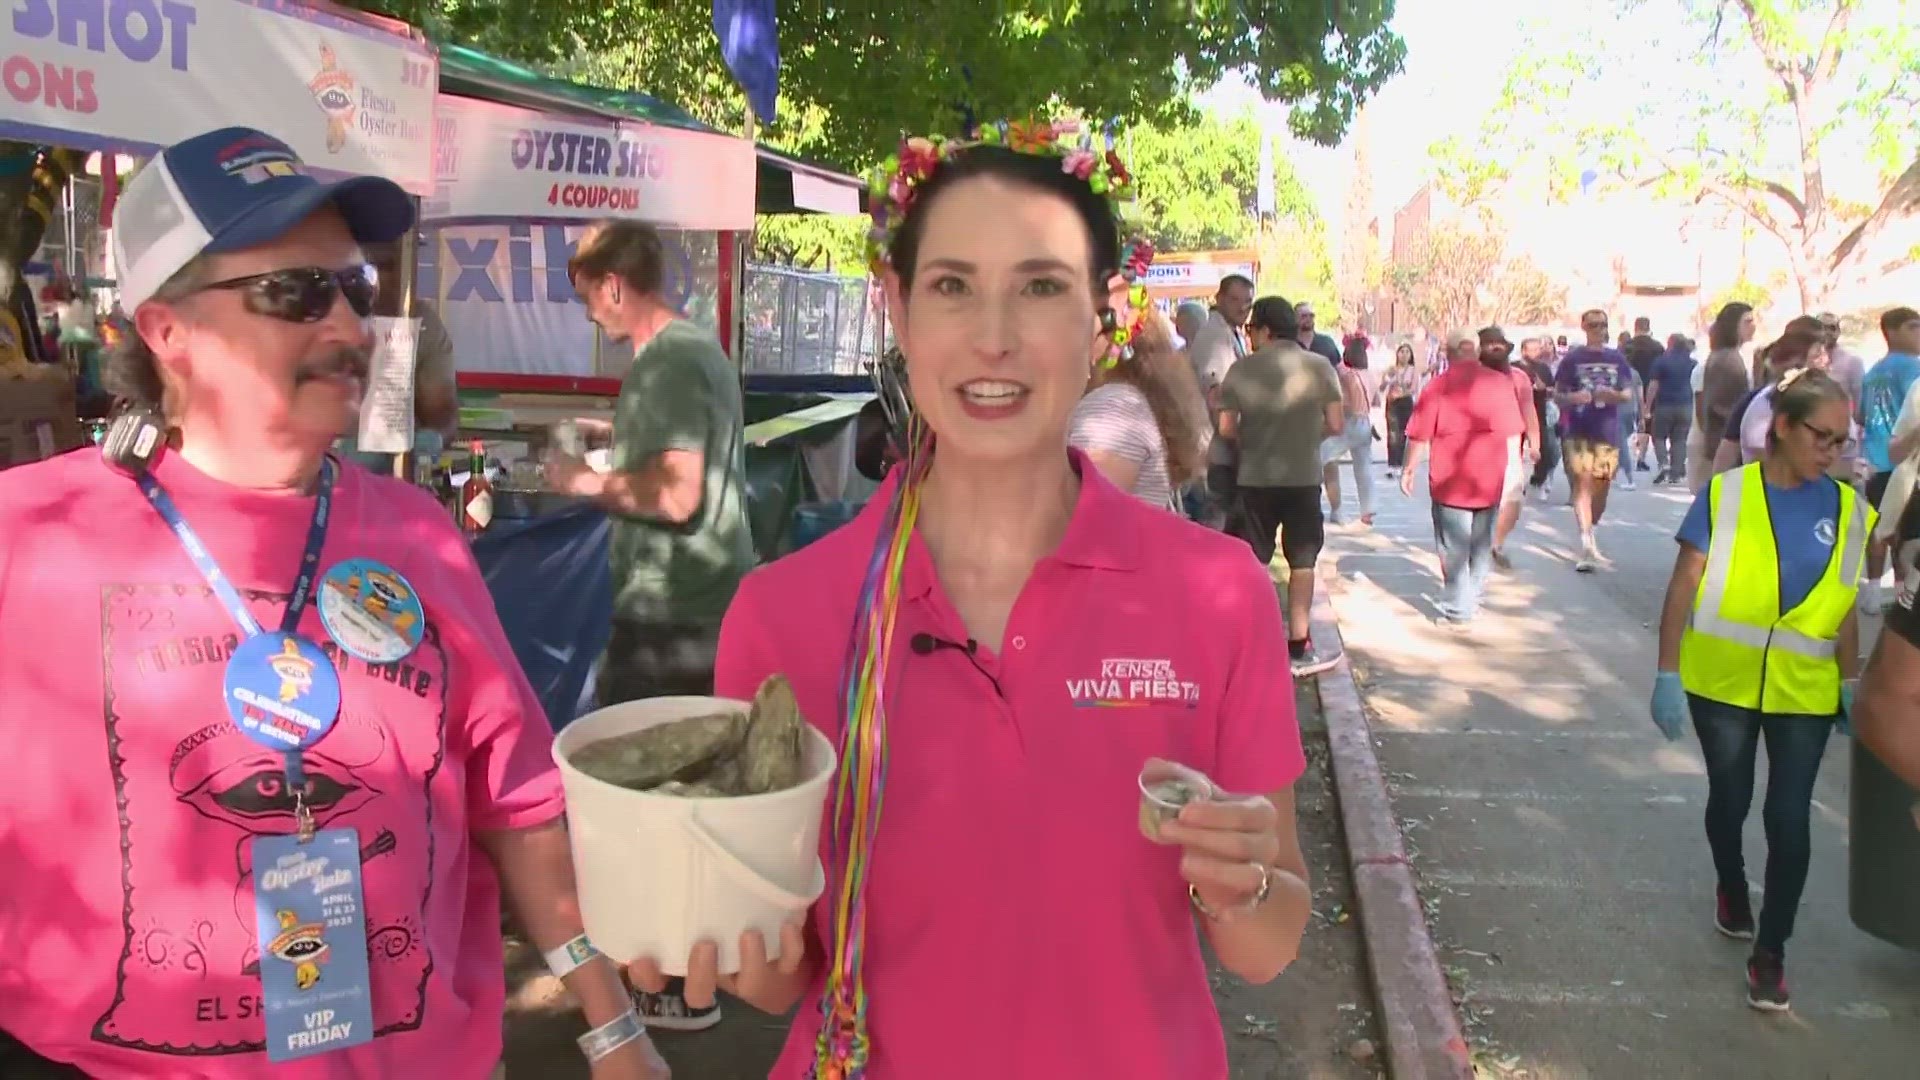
(1792, 455)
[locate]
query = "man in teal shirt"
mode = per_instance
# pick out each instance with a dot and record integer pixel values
(676, 488)
(1882, 394)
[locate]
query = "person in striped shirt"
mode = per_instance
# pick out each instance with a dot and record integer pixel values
(1136, 423)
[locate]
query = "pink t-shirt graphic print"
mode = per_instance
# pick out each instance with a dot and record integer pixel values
(128, 941)
(190, 961)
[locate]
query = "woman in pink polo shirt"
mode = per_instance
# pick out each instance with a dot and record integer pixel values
(1052, 634)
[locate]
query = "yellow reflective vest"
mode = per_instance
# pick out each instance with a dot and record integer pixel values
(1739, 647)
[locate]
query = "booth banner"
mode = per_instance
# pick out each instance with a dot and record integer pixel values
(503, 293)
(1194, 275)
(136, 75)
(502, 161)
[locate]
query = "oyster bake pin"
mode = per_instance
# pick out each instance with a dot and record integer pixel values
(333, 91)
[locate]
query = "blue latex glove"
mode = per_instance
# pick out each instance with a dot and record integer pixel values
(1844, 721)
(1669, 706)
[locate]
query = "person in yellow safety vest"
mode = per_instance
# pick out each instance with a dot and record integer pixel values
(1758, 640)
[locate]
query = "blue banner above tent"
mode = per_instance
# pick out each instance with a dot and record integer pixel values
(750, 43)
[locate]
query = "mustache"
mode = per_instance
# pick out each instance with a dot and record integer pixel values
(344, 360)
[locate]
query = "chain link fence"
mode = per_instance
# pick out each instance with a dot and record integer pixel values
(802, 322)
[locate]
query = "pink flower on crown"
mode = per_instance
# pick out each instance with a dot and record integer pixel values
(1080, 163)
(1065, 127)
(900, 191)
(918, 157)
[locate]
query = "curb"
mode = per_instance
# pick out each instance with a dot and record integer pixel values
(1424, 1037)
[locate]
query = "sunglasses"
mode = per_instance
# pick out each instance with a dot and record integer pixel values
(305, 294)
(1824, 439)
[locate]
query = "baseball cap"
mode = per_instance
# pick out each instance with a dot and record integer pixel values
(229, 190)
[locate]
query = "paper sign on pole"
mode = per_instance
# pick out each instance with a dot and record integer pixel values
(386, 410)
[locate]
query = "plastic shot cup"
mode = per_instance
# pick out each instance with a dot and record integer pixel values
(1165, 787)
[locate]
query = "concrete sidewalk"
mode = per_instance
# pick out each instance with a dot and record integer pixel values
(1558, 838)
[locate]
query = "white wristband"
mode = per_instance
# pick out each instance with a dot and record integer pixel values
(612, 1035)
(568, 958)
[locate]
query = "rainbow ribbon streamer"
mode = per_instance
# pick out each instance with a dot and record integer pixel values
(842, 1048)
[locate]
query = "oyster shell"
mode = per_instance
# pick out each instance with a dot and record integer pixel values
(718, 755)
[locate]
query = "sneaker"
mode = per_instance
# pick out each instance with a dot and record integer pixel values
(669, 1011)
(1767, 982)
(1626, 482)
(1312, 662)
(1590, 557)
(1733, 914)
(1660, 478)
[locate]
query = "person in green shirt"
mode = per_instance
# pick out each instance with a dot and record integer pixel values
(676, 487)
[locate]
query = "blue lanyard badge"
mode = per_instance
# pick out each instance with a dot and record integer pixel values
(280, 688)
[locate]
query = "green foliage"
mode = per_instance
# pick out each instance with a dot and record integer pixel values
(1197, 184)
(1765, 106)
(1294, 262)
(1198, 181)
(1755, 295)
(876, 69)
(826, 242)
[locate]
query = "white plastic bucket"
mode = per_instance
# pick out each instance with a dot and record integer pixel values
(657, 873)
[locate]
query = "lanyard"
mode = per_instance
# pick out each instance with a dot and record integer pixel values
(217, 578)
(230, 597)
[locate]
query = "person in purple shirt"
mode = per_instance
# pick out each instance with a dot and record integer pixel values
(1591, 383)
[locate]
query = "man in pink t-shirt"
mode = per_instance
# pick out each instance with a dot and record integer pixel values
(1466, 423)
(272, 762)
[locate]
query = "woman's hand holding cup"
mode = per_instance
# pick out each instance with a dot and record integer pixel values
(1228, 848)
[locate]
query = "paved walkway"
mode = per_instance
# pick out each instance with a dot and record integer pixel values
(1559, 838)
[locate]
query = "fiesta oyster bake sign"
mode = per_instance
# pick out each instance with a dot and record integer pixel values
(135, 75)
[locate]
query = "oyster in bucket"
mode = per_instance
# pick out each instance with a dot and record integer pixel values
(717, 755)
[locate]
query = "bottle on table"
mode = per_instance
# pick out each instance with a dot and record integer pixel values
(476, 495)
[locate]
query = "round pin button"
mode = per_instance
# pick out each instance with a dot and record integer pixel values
(371, 611)
(282, 691)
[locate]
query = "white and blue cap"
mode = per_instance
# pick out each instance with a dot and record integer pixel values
(229, 190)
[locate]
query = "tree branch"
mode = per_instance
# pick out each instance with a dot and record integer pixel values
(1777, 62)
(1901, 199)
(1743, 200)
(1832, 43)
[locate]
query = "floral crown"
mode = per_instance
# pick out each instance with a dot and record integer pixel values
(894, 187)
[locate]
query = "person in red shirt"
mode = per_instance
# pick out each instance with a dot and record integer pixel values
(1465, 424)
